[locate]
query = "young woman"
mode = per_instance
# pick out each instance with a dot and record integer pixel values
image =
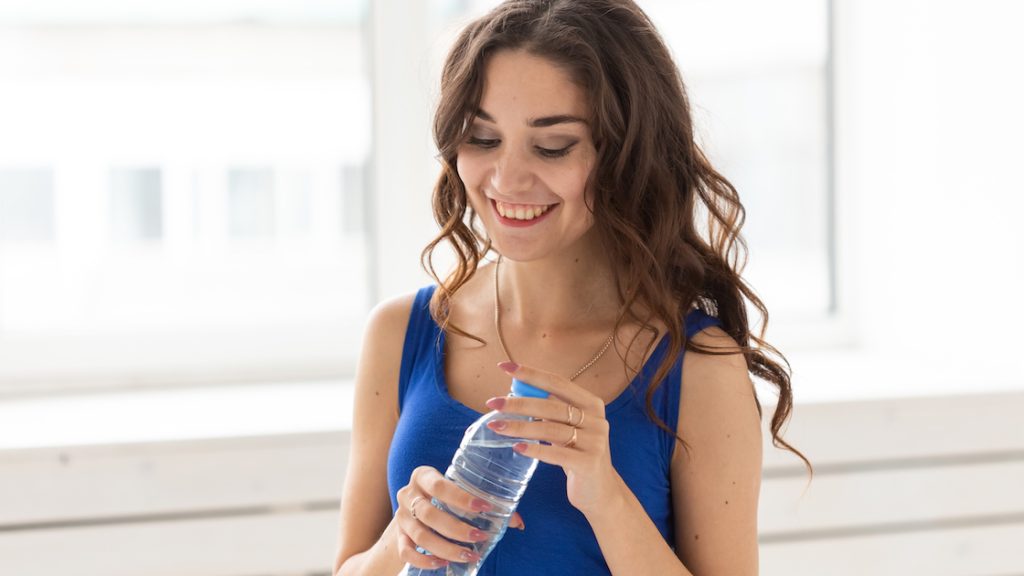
(571, 191)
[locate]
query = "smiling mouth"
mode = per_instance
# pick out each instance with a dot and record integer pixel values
(524, 212)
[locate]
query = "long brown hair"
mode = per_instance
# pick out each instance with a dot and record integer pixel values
(651, 186)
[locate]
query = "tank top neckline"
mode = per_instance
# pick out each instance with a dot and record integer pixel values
(646, 372)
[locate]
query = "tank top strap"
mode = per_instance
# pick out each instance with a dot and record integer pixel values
(698, 320)
(420, 335)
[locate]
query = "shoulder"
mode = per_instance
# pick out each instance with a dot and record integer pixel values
(390, 317)
(727, 370)
(381, 354)
(717, 391)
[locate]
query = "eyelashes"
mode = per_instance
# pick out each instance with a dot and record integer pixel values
(548, 153)
(484, 143)
(491, 143)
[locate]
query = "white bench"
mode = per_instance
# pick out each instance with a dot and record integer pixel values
(924, 486)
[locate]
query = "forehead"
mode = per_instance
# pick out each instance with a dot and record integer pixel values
(519, 86)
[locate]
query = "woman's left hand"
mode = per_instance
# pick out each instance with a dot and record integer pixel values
(572, 420)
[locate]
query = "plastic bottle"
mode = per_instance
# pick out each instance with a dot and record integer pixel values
(486, 466)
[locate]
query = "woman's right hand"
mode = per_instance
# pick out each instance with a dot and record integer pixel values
(422, 524)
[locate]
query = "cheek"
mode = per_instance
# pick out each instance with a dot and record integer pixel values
(575, 182)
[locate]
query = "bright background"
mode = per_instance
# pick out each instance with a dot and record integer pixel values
(201, 201)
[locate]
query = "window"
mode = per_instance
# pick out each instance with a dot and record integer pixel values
(26, 206)
(199, 211)
(759, 88)
(136, 207)
(251, 203)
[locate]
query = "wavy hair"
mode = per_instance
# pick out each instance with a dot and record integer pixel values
(653, 187)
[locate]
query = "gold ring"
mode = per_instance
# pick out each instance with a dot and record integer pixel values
(572, 441)
(570, 417)
(582, 416)
(412, 506)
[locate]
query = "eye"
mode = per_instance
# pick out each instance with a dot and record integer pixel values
(549, 153)
(486, 143)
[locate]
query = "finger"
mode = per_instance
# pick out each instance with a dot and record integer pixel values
(556, 385)
(424, 536)
(517, 522)
(448, 525)
(408, 553)
(553, 432)
(433, 484)
(549, 453)
(551, 409)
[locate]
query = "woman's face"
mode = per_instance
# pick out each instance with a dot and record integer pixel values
(528, 157)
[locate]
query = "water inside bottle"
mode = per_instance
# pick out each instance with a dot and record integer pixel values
(487, 467)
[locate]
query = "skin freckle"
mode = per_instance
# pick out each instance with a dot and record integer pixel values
(696, 536)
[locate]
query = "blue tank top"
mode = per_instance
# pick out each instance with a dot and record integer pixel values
(558, 539)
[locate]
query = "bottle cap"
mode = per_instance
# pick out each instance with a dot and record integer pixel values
(524, 390)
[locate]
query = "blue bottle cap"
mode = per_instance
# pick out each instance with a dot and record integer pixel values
(524, 390)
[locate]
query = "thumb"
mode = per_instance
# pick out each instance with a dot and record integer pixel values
(517, 522)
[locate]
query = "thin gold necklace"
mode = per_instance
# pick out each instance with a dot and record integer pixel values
(497, 328)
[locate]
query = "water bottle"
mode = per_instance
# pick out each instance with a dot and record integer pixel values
(486, 466)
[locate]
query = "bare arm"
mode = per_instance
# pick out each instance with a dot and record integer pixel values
(366, 539)
(716, 485)
(715, 488)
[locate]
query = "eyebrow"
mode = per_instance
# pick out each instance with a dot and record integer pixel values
(544, 122)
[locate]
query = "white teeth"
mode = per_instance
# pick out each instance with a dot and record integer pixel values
(521, 211)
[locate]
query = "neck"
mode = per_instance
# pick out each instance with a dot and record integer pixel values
(571, 291)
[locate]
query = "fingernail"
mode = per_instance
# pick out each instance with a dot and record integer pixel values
(519, 447)
(508, 366)
(481, 506)
(468, 556)
(497, 425)
(478, 535)
(496, 403)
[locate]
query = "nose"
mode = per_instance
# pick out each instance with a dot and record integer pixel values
(511, 173)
